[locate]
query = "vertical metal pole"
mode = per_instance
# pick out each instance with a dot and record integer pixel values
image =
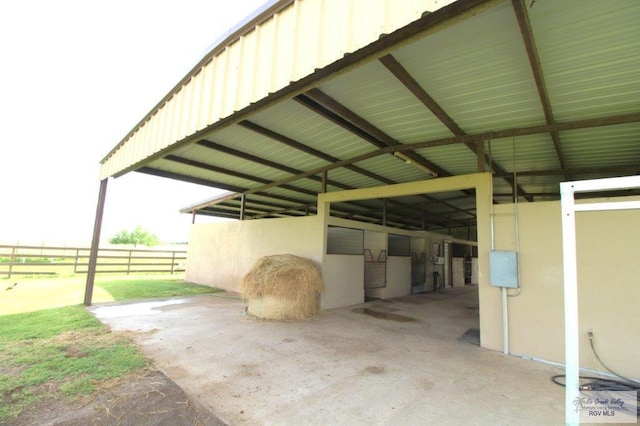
(570, 266)
(480, 152)
(242, 204)
(505, 321)
(95, 242)
(193, 216)
(384, 212)
(324, 181)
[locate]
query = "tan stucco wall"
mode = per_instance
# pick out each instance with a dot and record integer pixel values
(343, 277)
(398, 277)
(458, 271)
(220, 254)
(608, 245)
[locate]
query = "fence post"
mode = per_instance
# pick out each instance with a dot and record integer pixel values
(129, 262)
(75, 263)
(11, 259)
(173, 261)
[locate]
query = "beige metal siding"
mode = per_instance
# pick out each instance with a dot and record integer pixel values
(292, 43)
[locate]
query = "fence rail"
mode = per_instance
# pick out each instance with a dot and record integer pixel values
(48, 260)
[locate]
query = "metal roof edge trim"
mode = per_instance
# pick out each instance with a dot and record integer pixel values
(458, 11)
(245, 26)
(214, 200)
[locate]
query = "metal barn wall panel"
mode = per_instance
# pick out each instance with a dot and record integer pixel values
(590, 55)
(225, 84)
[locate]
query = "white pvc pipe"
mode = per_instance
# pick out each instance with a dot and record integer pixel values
(505, 321)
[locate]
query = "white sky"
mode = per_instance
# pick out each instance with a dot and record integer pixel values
(75, 77)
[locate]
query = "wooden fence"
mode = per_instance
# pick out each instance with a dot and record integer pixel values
(54, 261)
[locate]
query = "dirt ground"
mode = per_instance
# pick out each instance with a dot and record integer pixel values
(150, 398)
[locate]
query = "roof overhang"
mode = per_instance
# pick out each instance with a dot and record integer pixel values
(537, 92)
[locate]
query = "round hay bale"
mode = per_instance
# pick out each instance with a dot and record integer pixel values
(282, 287)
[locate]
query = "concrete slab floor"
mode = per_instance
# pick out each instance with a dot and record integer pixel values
(400, 362)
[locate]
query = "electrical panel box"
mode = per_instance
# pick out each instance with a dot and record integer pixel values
(438, 260)
(503, 269)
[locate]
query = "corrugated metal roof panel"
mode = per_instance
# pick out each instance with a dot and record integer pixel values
(386, 103)
(220, 159)
(252, 143)
(305, 199)
(603, 146)
(195, 172)
(394, 168)
(354, 179)
(263, 199)
(478, 72)
(589, 54)
(297, 122)
(532, 152)
(456, 159)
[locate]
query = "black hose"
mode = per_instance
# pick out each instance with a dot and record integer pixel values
(593, 348)
(598, 384)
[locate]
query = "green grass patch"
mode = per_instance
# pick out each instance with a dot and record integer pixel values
(52, 348)
(45, 323)
(33, 294)
(145, 289)
(58, 353)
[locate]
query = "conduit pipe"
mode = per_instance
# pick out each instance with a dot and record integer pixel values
(503, 290)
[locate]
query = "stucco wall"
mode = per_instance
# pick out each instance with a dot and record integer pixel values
(398, 277)
(608, 244)
(220, 254)
(457, 264)
(343, 277)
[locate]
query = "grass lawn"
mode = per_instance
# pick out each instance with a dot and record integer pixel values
(33, 294)
(52, 348)
(62, 353)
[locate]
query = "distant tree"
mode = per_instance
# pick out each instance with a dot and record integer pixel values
(138, 236)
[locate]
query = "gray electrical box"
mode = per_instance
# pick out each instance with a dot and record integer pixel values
(503, 268)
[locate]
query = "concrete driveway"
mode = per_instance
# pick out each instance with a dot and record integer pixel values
(380, 363)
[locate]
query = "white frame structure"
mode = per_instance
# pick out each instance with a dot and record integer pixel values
(569, 209)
